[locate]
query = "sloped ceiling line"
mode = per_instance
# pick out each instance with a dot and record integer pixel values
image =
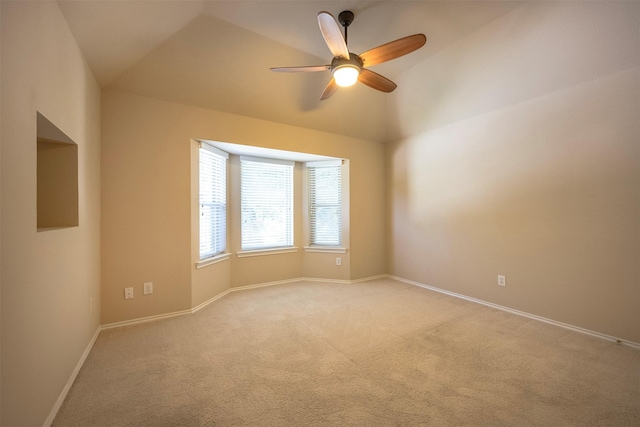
(217, 55)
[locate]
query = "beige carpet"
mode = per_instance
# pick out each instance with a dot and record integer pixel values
(374, 353)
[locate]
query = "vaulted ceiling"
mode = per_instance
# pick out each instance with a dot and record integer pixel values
(217, 54)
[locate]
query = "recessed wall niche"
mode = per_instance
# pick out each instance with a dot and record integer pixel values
(57, 177)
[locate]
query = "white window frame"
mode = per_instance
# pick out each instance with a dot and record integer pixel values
(316, 237)
(287, 244)
(220, 253)
(344, 182)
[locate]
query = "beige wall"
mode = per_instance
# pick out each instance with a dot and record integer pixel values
(149, 228)
(146, 232)
(522, 158)
(266, 268)
(322, 264)
(0, 219)
(519, 156)
(367, 237)
(214, 279)
(48, 278)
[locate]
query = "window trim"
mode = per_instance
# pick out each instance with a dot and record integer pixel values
(268, 251)
(326, 249)
(268, 160)
(342, 247)
(219, 256)
(246, 252)
(212, 260)
(215, 150)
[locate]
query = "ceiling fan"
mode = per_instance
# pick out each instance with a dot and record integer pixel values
(346, 67)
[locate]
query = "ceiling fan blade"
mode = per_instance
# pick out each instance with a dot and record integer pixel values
(307, 69)
(331, 88)
(376, 81)
(393, 50)
(332, 35)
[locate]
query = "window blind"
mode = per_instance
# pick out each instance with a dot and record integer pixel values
(266, 198)
(325, 204)
(213, 201)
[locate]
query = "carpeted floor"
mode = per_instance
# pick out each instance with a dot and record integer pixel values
(373, 353)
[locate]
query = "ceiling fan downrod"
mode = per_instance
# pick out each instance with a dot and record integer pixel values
(345, 19)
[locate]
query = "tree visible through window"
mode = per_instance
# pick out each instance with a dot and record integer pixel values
(266, 199)
(325, 203)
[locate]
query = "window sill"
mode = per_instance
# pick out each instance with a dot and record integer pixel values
(326, 249)
(213, 260)
(271, 251)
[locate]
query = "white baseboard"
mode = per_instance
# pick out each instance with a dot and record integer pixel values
(319, 279)
(209, 301)
(283, 282)
(521, 313)
(63, 394)
(367, 279)
(72, 378)
(262, 285)
(234, 289)
(145, 319)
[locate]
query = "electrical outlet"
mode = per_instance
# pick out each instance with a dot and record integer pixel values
(502, 280)
(148, 288)
(128, 293)
(338, 261)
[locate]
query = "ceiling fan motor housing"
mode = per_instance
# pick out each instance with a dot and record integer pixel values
(353, 61)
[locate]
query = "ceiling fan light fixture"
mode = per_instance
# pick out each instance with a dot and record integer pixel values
(346, 75)
(346, 67)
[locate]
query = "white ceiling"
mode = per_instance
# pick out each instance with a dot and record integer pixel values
(217, 54)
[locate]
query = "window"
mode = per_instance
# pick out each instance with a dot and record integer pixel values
(213, 201)
(266, 199)
(325, 203)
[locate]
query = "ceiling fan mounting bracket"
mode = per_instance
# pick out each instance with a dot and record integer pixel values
(345, 18)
